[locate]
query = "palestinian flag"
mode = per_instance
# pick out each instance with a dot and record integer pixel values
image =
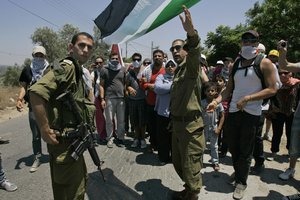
(125, 20)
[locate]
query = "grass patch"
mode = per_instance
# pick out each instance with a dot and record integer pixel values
(8, 96)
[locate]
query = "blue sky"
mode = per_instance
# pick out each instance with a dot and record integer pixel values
(17, 25)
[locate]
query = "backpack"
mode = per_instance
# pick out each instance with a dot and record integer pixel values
(257, 70)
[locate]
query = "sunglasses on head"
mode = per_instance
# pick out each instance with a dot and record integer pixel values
(285, 73)
(177, 47)
(249, 40)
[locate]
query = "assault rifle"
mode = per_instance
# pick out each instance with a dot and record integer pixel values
(83, 137)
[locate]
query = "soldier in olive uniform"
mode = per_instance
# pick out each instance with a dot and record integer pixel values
(68, 176)
(188, 139)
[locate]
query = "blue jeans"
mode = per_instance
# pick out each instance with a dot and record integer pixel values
(36, 134)
(212, 137)
(2, 174)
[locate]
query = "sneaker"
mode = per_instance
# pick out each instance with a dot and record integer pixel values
(271, 157)
(110, 143)
(135, 143)
(143, 144)
(292, 197)
(216, 167)
(35, 164)
(239, 191)
(257, 169)
(267, 137)
(289, 173)
(8, 186)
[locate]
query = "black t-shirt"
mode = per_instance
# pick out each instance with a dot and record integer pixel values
(26, 76)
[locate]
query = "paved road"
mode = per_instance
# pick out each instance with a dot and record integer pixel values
(131, 173)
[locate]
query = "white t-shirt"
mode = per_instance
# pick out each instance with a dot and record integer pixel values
(246, 84)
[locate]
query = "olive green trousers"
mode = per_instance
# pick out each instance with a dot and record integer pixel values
(69, 177)
(187, 152)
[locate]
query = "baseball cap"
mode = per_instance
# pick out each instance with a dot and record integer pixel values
(251, 32)
(261, 47)
(220, 62)
(274, 52)
(203, 60)
(39, 49)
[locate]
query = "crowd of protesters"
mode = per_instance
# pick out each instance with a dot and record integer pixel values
(229, 108)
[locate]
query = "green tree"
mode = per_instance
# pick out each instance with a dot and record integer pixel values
(65, 36)
(11, 76)
(225, 42)
(275, 20)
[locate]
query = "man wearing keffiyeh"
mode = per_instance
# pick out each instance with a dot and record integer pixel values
(30, 75)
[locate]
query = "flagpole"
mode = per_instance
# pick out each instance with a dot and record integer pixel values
(126, 49)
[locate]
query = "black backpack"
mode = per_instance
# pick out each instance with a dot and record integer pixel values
(256, 67)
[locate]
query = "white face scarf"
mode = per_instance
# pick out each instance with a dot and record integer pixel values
(248, 52)
(136, 64)
(38, 66)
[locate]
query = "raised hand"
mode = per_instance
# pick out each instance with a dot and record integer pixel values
(187, 21)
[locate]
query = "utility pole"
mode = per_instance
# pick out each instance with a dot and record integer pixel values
(152, 49)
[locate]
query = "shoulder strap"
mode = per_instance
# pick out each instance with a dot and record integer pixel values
(234, 69)
(257, 69)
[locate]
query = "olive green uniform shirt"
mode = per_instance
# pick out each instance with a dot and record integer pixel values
(65, 76)
(186, 88)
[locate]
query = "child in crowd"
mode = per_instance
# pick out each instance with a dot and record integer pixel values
(223, 146)
(213, 121)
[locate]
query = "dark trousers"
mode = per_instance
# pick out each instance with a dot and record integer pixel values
(277, 125)
(36, 134)
(258, 152)
(164, 139)
(241, 128)
(151, 125)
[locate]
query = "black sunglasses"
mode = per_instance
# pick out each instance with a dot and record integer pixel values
(177, 47)
(249, 40)
(147, 63)
(285, 73)
(136, 59)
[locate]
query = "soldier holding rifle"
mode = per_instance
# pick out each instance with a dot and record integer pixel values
(68, 174)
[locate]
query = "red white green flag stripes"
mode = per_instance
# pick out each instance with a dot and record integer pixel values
(126, 20)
